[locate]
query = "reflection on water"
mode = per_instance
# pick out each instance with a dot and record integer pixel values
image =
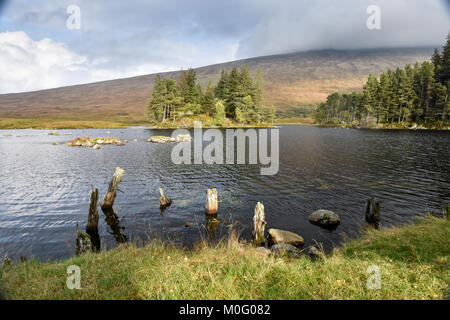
(113, 222)
(45, 188)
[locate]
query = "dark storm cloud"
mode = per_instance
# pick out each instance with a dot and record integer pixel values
(141, 29)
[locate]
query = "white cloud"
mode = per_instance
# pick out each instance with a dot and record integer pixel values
(30, 65)
(27, 65)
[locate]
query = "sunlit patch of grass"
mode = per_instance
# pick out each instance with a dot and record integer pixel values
(413, 261)
(9, 123)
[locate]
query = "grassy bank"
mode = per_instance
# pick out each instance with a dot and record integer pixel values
(51, 124)
(391, 126)
(9, 123)
(414, 263)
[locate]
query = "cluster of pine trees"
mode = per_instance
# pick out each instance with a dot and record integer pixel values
(418, 93)
(236, 96)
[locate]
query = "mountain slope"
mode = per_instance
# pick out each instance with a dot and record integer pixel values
(297, 79)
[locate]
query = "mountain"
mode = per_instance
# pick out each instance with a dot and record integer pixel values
(292, 80)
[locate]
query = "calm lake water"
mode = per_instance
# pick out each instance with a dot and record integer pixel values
(45, 189)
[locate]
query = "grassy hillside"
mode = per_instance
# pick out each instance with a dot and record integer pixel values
(413, 260)
(298, 79)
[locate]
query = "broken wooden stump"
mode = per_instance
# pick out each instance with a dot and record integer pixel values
(259, 224)
(110, 196)
(92, 226)
(82, 243)
(373, 213)
(212, 202)
(164, 200)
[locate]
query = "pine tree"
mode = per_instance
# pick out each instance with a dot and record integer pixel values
(444, 72)
(258, 99)
(219, 114)
(436, 59)
(182, 85)
(384, 97)
(221, 88)
(370, 91)
(208, 100)
(192, 92)
(235, 93)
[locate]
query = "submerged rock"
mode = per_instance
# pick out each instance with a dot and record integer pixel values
(325, 218)
(285, 249)
(53, 133)
(282, 236)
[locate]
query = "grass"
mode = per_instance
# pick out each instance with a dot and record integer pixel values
(186, 122)
(413, 260)
(10, 123)
(295, 120)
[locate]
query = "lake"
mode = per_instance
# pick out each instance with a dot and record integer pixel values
(45, 188)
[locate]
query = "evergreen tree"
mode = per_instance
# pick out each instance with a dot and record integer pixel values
(444, 71)
(165, 99)
(208, 100)
(221, 88)
(220, 118)
(258, 99)
(193, 91)
(235, 93)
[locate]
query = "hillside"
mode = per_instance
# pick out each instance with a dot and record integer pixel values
(297, 79)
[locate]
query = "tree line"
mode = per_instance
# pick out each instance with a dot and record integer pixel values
(418, 93)
(236, 96)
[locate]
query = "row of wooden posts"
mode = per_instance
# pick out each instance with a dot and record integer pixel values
(372, 216)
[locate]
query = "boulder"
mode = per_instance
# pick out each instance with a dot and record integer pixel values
(282, 236)
(285, 249)
(313, 252)
(184, 138)
(161, 139)
(96, 147)
(324, 218)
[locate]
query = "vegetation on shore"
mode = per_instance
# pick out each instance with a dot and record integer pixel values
(236, 99)
(417, 96)
(414, 262)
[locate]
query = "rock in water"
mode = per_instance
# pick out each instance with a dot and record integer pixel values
(184, 138)
(285, 249)
(325, 218)
(161, 139)
(281, 236)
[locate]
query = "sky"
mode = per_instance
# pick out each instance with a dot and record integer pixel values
(41, 49)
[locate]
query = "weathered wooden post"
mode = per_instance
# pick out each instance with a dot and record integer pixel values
(259, 224)
(373, 213)
(92, 226)
(164, 200)
(110, 196)
(211, 201)
(82, 243)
